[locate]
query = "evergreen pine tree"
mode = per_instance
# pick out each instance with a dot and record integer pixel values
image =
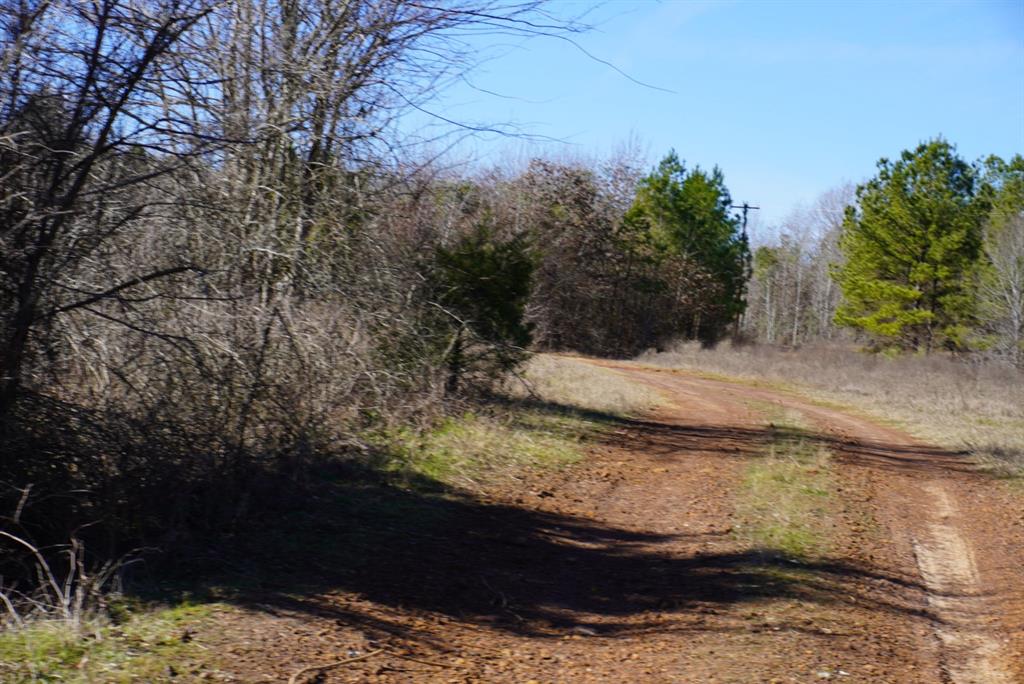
(683, 213)
(912, 247)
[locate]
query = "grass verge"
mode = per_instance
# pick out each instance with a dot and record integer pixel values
(543, 422)
(564, 381)
(473, 450)
(1001, 460)
(149, 646)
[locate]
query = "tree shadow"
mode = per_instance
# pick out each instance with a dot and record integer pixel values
(510, 568)
(425, 549)
(677, 439)
(429, 550)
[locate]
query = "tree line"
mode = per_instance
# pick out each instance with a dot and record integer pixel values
(925, 256)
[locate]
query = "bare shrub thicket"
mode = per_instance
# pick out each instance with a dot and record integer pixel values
(213, 262)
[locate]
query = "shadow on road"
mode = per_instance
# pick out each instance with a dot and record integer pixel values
(528, 571)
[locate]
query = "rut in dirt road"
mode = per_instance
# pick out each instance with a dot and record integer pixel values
(970, 653)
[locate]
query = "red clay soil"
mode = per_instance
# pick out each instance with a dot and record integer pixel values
(627, 567)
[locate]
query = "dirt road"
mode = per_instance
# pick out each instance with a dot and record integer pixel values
(633, 566)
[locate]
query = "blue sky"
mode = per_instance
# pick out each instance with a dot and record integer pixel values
(788, 98)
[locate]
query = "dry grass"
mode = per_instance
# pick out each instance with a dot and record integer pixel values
(585, 387)
(545, 424)
(955, 404)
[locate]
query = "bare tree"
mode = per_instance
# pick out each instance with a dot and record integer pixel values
(1001, 287)
(793, 298)
(826, 222)
(240, 133)
(213, 242)
(81, 130)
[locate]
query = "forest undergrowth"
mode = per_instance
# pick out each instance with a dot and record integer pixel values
(545, 418)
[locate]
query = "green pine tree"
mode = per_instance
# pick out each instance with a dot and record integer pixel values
(483, 283)
(912, 247)
(687, 214)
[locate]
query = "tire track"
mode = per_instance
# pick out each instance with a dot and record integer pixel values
(970, 654)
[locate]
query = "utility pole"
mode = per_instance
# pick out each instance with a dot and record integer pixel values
(745, 207)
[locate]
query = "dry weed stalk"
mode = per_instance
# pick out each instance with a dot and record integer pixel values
(70, 597)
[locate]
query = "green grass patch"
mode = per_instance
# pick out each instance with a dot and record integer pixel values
(786, 499)
(148, 646)
(471, 449)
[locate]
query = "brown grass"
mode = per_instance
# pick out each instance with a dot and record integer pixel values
(585, 387)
